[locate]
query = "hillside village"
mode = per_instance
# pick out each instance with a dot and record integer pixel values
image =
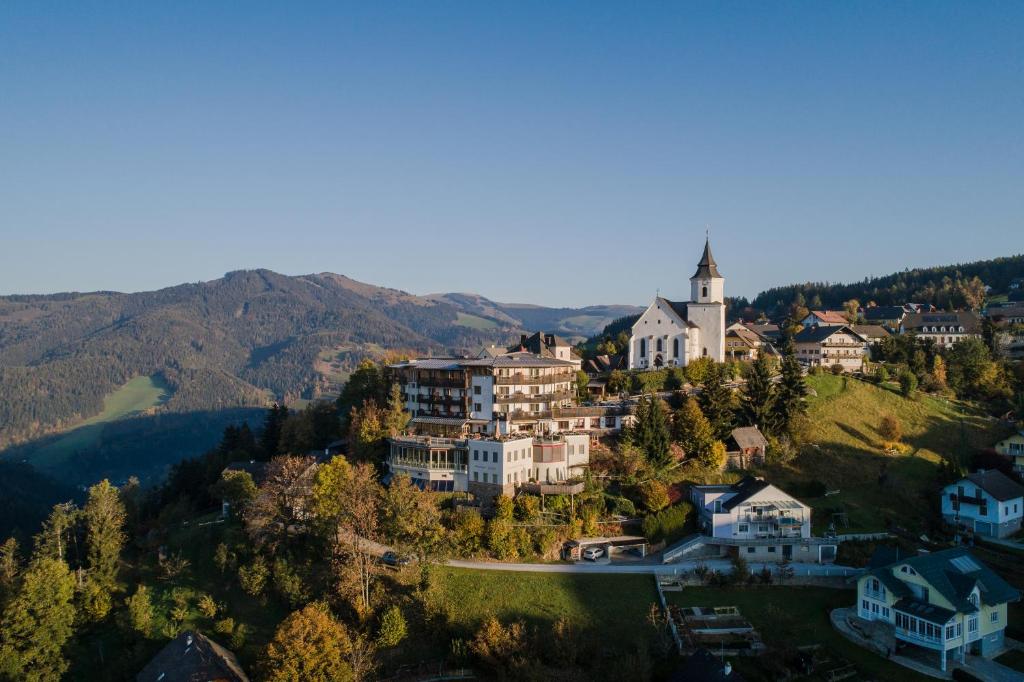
(703, 467)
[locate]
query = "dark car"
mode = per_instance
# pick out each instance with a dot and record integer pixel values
(392, 559)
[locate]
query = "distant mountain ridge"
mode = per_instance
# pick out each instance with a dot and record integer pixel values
(246, 339)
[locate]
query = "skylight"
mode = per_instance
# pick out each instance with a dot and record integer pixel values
(965, 564)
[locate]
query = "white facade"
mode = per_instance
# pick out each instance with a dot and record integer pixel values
(767, 512)
(966, 503)
(673, 334)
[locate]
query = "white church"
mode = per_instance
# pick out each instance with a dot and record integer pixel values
(675, 333)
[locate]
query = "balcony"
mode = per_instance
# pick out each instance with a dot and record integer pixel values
(919, 639)
(533, 397)
(427, 382)
(561, 488)
(419, 464)
(527, 380)
(522, 415)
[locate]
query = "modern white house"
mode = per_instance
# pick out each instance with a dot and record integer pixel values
(759, 522)
(947, 602)
(675, 333)
(987, 503)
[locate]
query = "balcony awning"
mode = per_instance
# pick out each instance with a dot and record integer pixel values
(929, 612)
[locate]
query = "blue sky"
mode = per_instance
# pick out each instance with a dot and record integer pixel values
(562, 154)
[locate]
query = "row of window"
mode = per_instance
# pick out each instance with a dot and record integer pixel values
(658, 347)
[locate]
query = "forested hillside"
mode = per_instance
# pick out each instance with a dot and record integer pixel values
(949, 286)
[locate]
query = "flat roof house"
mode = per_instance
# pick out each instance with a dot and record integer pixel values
(946, 602)
(987, 503)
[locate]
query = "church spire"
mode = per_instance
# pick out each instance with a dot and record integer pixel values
(707, 267)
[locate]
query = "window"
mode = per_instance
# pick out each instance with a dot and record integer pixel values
(476, 455)
(476, 390)
(476, 476)
(771, 550)
(477, 407)
(743, 528)
(950, 632)
(885, 612)
(508, 456)
(863, 604)
(509, 477)
(750, 550)
(994, 618)
(972, 625)
(643, 347)
(675, 348)
(704, 292)
(494, 457)
(658, 344)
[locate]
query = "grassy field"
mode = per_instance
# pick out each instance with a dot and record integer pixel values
(788, 617)
(846, 452)
(475, 322)
(135, 397)
(611, 607)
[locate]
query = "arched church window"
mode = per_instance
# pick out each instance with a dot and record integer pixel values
(659, 345)
(705, 351)
(705, 292)
(675, 348)
(643, 347)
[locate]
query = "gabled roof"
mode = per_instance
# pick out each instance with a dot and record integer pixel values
(749, 437)
(819, 334)
(680, 308)
(954, 573)
(192, 657)
(997, 484)
(969, 320)
(884, 312)
(768, 331)
(707, 266)
(870, 331)
(748, 337)
(745, 489)
(829, 316)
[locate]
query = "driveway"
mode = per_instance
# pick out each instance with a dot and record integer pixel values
(991, 671)
(723, 565)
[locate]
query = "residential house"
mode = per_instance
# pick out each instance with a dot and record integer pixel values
(746, 447)
(604, 364)
(769, 332)
(825, 318)
(674, 333)
(759, 522)
(872, 334)
(827, 346)
(1009, 322)
(1016, 284)
(1013, 447)
(744, 344)
(888, 316)
(945, 329)
(547, 346)
(192, 657)
(987, 503)
(946, 602)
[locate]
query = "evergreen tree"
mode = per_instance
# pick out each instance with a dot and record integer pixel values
(791, 390)
(104, 527)
(57, 539)
(273, 422)
(10, 567)
(396, 418)
(717, 402)
(140, 611)
(692, 430)
(651, 432)
(37, 623)
(759, 394)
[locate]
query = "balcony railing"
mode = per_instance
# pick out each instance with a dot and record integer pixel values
(428, 382)
(527, 380)
(934, 642)
(436, 466)
(874, 594)
(533, 397)
(522, 415)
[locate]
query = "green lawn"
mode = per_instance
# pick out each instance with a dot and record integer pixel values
(845, 452)
(138, 395)
(788, 617)
(475, 322)
(613, 608)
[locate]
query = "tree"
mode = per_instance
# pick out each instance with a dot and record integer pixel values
(410, 519)
(467, 530)
(618, 382)
(10, 568)
(971, 371)
(758, 395)
(140, 611)
(279, 505)
(273, 423)
(104, 516)
(692, 430)
(309, 646)
(392, 628)
(207, 606)
(395, 418)
(908, 383)
(791, 390)
(58, 532)
(582, 381)
(235, 487)
(890, 428)
(37, 623)
(289, 584)
(367, 431)
(650, 432)
(715, 456)
(253, 578)
(503, 649)
(359, 520)
(717, 402)
(654, 495)
(851, 310)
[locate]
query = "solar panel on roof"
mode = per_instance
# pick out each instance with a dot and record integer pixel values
(965, 564)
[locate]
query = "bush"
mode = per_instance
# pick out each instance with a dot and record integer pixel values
(837, 369)
(890, 428)
(620, 506)
(653, 495)
(669, 524)
(908, 383)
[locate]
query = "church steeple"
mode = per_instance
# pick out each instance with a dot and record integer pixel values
(706, 268)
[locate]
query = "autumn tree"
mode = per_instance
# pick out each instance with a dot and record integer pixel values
(410, 519)
(235, 487)
(140, 611)
(890, 428)
(310, 645)
(692, 430)
(504, 650)
(279, 505)
(395, 417)
(37, 623)
(359, 501)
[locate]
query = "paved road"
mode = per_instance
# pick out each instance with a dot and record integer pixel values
(722, 565)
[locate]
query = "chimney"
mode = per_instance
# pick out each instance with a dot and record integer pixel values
(727, 669)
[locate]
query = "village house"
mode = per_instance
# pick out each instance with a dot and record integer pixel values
(946, 602)
(827, 346)
(768, 331)
(548, 346)
(674, 333)
(888, 316)
(987, 503)
(1009, 322)
(746, 447)
(759, 522)
(1013, 447)
(824, 318)
(192, 656)
(945, 329)
(744, 344)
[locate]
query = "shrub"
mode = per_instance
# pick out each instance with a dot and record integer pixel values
(890, 428)
(669, 524)
(224, 626)
(253, 578)
(653, 495)
(207, 606)
(908, 383)
(837, 369)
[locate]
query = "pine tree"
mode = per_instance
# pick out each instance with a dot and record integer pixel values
(140, 611)
(273, 422)
(717, 402)
(651, 432)
(396, 418)
(692, 430)
(58, 534)
(759, 394)
(10, 567)
(789, 397)
(37, 623)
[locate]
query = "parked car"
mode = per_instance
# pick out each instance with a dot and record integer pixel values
(593, 553)
(392, 559)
